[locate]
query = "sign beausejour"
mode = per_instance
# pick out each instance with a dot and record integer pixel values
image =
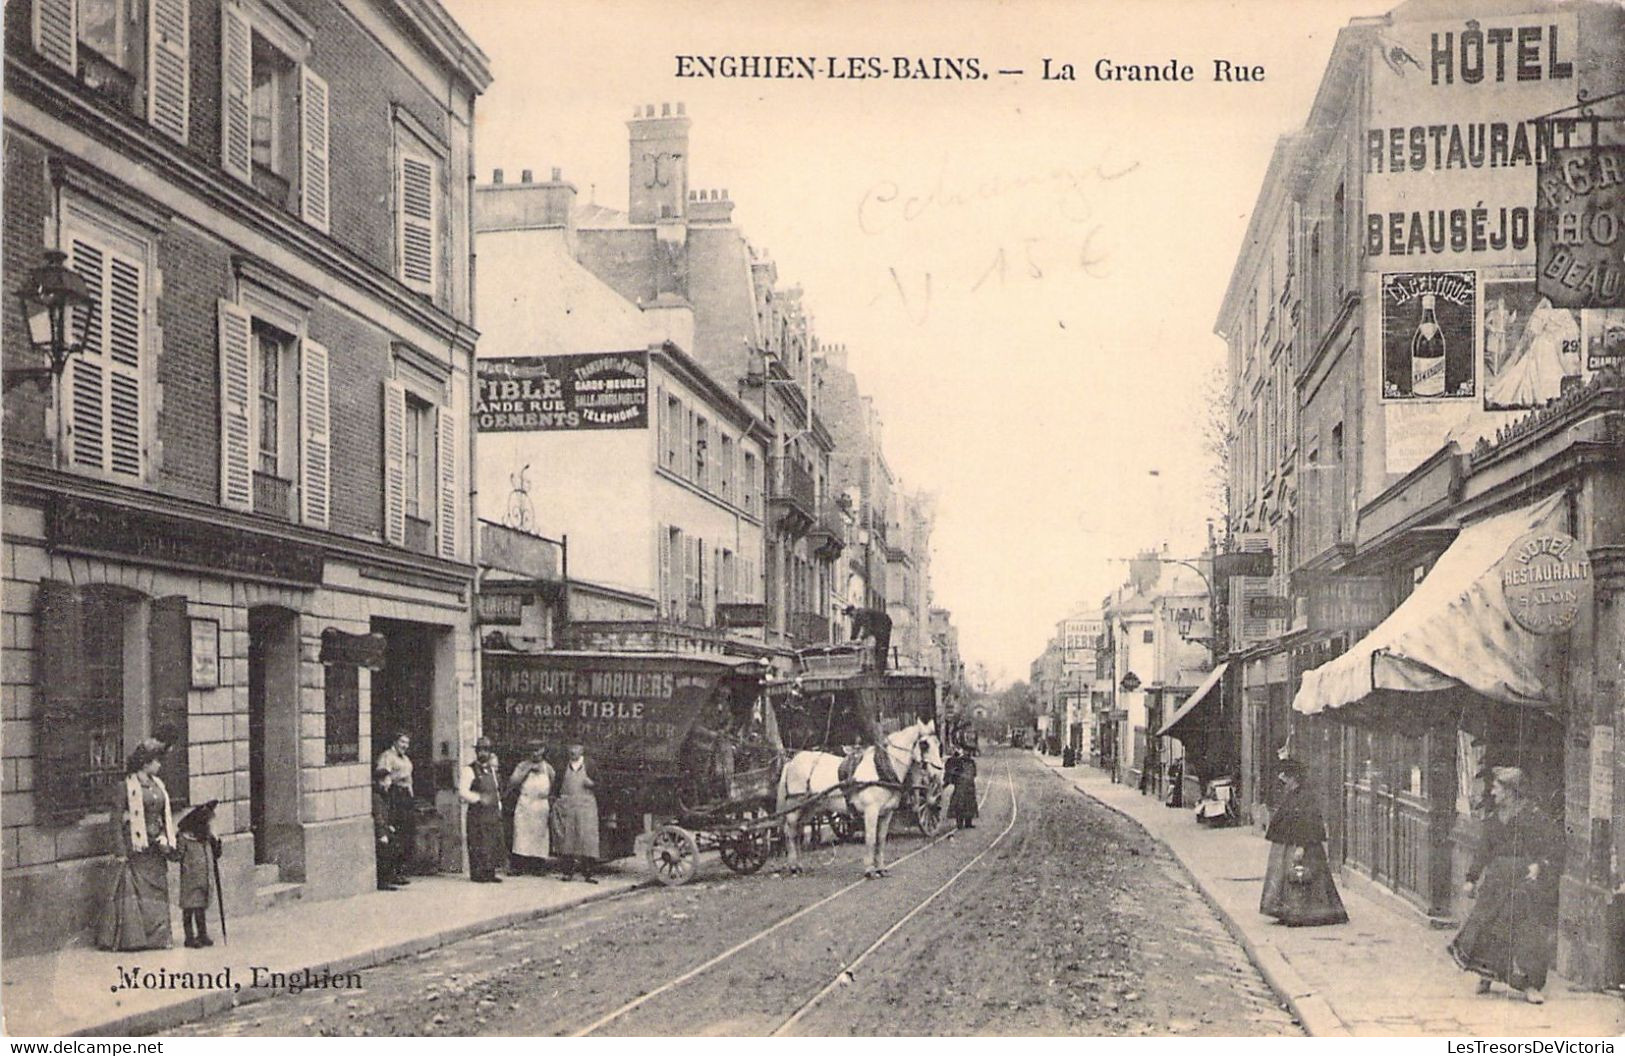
(1580, 227)
(521, 394)
(1546, 576)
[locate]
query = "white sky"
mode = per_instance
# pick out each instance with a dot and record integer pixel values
(1034, 398)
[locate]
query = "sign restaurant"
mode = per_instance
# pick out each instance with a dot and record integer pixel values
(1580, 227)
(1546, 577)
(521, 394)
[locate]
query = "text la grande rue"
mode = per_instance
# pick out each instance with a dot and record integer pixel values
(1224, 71)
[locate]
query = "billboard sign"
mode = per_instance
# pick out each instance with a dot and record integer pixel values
(1429, 330)
(526, 394)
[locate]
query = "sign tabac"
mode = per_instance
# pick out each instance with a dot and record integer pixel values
(1546, 577)
(522, 394)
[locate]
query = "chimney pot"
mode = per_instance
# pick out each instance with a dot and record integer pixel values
(496, 176)
(651, 107)
(525, 176)
(558, 174)
(665, 109)
(680, 110)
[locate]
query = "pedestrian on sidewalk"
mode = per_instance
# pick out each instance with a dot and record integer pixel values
(1510, 934)
(386, 843)
(531, 786)
(137, 913)
(403, 805)
(199, 850)
(1298, 887)
(961, 774)
(574, 818)
(477, 785)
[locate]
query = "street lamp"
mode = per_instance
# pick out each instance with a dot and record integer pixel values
(57, 307)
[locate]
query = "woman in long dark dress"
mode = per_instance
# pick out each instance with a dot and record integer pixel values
(1298, 887)
(1510, 935)
(961, 773)
(137, 914)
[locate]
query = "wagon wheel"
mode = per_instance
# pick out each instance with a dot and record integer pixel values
(927, 812)
(674, 855)
(843, 825)
(746, 852)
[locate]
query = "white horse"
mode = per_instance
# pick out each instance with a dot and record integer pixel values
(811, 782)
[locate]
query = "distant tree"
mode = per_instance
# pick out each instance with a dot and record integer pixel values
(1218, 439)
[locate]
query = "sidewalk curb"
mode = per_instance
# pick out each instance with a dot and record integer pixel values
(1314, 1012)
(213, 1002)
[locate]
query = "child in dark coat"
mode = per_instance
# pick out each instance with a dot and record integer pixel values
(199, 848)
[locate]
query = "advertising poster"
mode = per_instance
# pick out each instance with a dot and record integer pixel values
(1603, 334)
(1580, 226)
(1429, 324)
(520, 394)
(1531, 348)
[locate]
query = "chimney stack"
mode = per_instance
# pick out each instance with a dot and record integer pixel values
(657, 164)
(526, 205)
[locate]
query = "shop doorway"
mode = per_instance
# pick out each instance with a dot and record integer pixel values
(273, 740)
(403, 696)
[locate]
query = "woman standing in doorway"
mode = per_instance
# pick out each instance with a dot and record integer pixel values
(1510, 934)
(137, 915)
(1298, 887)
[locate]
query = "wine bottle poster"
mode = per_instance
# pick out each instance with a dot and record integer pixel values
(1429, 335)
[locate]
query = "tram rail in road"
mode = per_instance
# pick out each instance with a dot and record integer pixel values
(739, 947)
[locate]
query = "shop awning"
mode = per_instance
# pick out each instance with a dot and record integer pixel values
(1455, 629)
(1208, 690)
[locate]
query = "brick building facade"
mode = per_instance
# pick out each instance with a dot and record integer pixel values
(256, 539)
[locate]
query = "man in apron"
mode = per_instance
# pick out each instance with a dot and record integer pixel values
(575, 818)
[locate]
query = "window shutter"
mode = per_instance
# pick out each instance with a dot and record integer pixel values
(169, 638)
(169, 71)
(716, 579)
(395, 462)
(62, 738)
(104, 383)
(313, 159)
(416, 204)
(315, 471)
(56, 32)
(663, 568)
(660, 426)
(448, 477)
(236, 85)
(238, 407)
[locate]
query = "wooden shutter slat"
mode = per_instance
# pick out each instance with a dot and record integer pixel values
(56, 32)
(238, 407)
(314, 120)
(61, 739)
(236, 87)
(169, 640)
(395, 462)
(315, 470)
(448, 479)
(169, 69)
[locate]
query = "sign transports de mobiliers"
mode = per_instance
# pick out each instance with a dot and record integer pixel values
(1546, 576)
(523, 394)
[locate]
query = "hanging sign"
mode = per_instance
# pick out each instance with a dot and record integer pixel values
(1546, 576)
(1579, 226)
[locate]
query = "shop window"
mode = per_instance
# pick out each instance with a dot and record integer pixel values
(342, 696)
(112, 669)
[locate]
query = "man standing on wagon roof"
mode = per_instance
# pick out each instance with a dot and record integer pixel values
(574, 820)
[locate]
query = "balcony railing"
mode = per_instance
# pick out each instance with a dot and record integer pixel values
(273, 496)
(809, 628)
(793, 493)
(828, 532)
(419, 535)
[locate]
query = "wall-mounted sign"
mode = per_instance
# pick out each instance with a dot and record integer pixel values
(522, 394)
(1603, 331)
(205, 653)
(1546, 577)
(1348, 603)
(741, 614)
(1130, 683)
(500, 608)
(1531, 349)
(1429, 334)
(1269, 607)
(1579, 224)
(147, 537)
